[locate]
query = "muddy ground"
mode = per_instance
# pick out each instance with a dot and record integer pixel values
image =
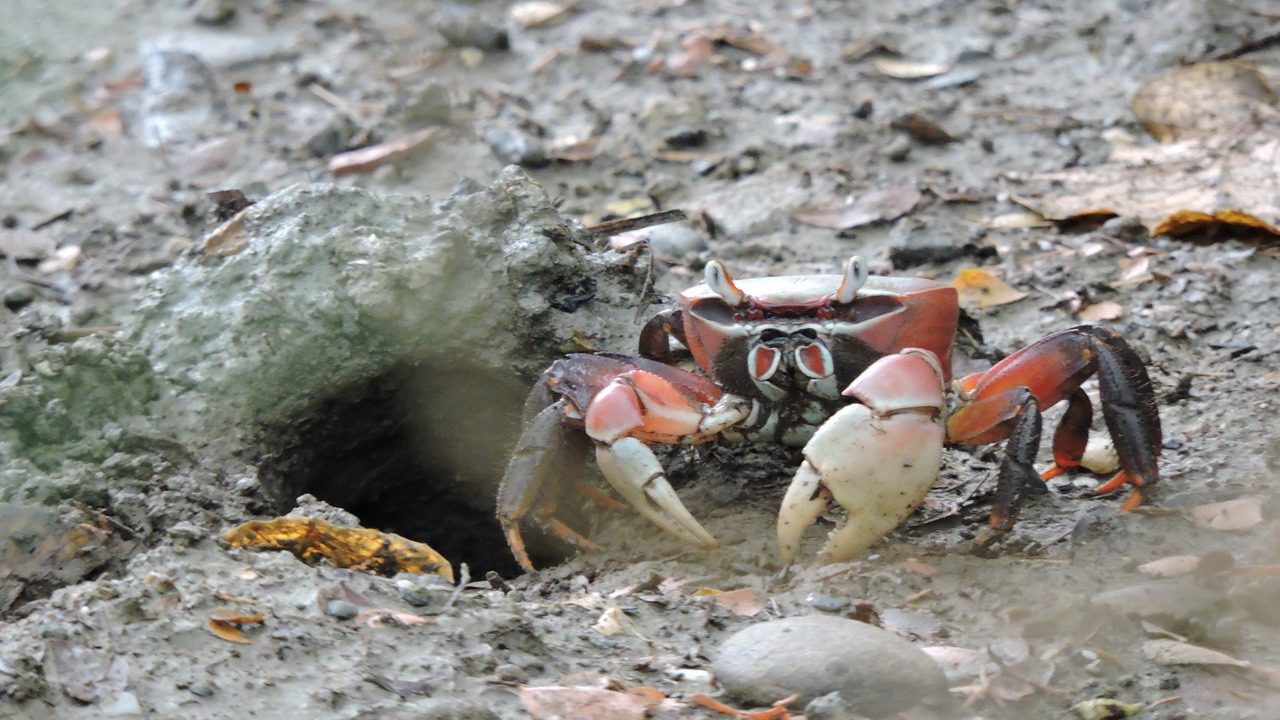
(736, 112)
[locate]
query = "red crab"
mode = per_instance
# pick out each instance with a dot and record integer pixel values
(852, 367)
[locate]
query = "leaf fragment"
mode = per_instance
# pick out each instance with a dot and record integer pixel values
(746, 602)
(1105, 709)
(1203, 99)
(314, 540)
(1231, 515)
(1175, 652)
(980, 288)
(226, 623)
(553, 702)
(878, 205)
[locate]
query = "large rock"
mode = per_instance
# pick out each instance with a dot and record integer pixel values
(876, 672)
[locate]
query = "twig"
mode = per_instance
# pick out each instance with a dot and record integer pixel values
(464, 577)
(1258, 43)
(610, 228)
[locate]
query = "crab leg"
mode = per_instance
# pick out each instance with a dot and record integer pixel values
(877, 459)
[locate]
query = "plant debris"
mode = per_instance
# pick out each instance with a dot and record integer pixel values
(314, 540)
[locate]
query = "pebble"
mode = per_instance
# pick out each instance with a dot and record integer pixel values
(827, 603)
(18, 297)
(898, 149)
(876, 672)
(341, 609)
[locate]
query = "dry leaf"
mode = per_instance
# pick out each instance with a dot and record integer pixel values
(918, 567)
(1239, 514)
(380, 617)
(1106, 709)
(879, 205)
(1203, 99)
(746, 602)
(371, 158)
(979, 288)
(228, 238)
(313, 540)
(538, 13)
(226, 623)
(1173, 652)
(106, 123)
(1106, 310)
(554, 702)
(922, 129)
(910, 70)
(1171, 566)
(611, 622)
(1173, 189)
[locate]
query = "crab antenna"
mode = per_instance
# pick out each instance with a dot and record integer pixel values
(721, 283)
(855, 274)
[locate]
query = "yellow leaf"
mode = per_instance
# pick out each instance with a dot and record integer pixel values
(979, 288)
(313, 540)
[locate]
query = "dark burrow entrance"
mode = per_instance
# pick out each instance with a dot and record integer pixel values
(418, 452)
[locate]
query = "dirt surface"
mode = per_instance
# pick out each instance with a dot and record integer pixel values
(116, 124)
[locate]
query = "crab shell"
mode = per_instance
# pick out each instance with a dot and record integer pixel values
(887, 314)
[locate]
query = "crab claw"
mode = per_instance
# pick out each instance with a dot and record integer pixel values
(877, 459)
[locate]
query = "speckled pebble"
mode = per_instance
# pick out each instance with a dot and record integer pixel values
(876, 672)
(341, 609)
(827, 603)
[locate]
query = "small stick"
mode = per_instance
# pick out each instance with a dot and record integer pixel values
(610, 228)
(464, 577)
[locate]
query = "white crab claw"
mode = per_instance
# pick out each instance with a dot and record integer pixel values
(631, 468)
(877, 459)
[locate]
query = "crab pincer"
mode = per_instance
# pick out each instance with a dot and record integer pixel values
(877, 459)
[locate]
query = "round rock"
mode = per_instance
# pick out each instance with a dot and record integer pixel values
(875, 671)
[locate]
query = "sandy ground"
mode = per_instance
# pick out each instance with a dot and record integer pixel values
(738, 113)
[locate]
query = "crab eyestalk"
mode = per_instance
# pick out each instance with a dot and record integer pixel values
(721, 283)
(877, 459)
(855, 276)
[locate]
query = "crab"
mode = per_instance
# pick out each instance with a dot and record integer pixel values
(856, 370)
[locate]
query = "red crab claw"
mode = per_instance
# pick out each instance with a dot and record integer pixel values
(877, 459)
(622, 402)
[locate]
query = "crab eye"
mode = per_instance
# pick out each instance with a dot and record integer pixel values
(855, 276)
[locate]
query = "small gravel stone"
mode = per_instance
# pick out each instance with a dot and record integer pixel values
(18, 297)
(341, 609)
(876, 672)
(828, 603)
(201, 690)
(507, 672)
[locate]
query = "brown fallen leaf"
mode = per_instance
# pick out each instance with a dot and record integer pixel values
(878, 205)
(381, 617)
(371, 158)
(1175, 652)
(1176, 189)
(226, 623)
(1232, 515)
(228, 238)
(1172, 566)
(922, 129)
(979, 288)
(314, 540)
(747, 602)
(104, 123)
(553, 702)
(1203, 99)
(1106, 310)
